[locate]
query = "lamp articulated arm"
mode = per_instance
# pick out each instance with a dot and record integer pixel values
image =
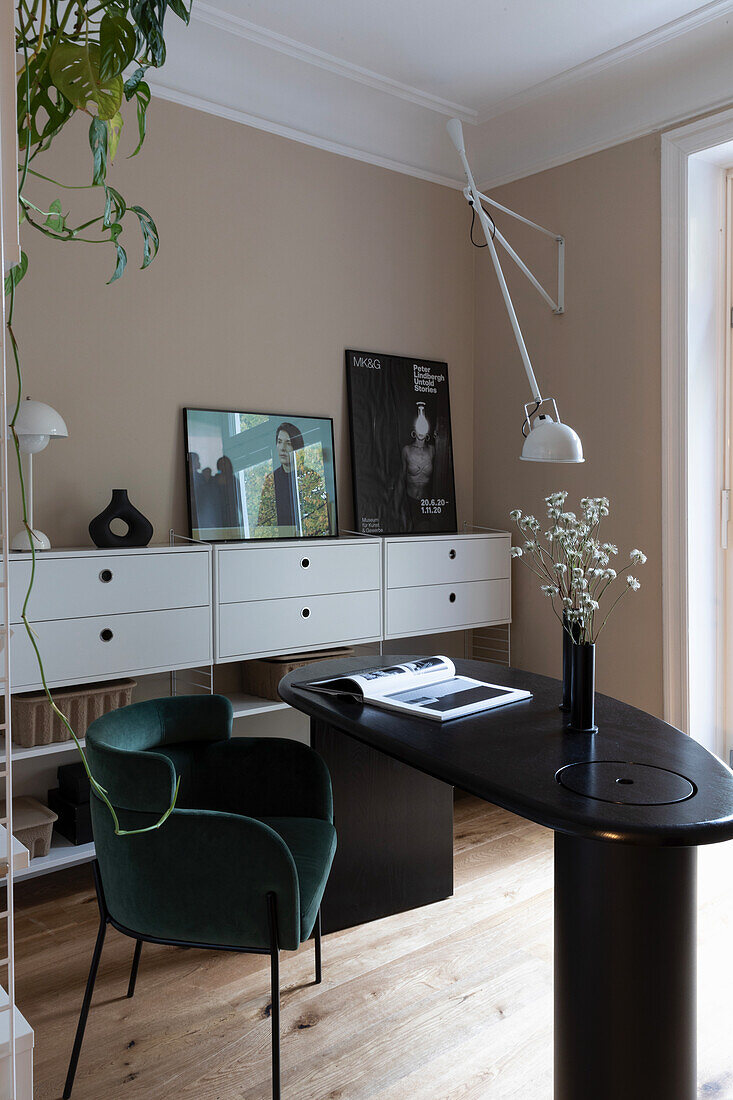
(560, 442)
(518, 336)
(556, 306)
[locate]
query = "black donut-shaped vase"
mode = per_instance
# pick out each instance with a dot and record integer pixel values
(140, 529)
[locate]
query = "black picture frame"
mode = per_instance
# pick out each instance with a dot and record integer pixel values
(237, 503)
(385, 395)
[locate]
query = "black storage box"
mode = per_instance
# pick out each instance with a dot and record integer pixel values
(74, 818)
(74, 783)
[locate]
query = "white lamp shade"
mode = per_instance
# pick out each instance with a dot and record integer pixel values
(552, 441)
(36, 423)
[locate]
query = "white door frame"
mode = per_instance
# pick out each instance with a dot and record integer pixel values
(677, 147)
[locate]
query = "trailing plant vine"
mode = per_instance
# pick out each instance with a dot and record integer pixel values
(90, 57)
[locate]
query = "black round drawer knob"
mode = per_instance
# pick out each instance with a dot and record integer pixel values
(304, 563)
(306, 612)
(106, 635)
(452, 597)
(451, 554)
(105, 576)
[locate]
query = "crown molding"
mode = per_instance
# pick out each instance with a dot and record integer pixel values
(261, 36)
(595, 65)
(241, 77)
(607, 141)
(198, 103)
(702, 133)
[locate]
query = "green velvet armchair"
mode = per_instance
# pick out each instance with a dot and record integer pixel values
(242, 862)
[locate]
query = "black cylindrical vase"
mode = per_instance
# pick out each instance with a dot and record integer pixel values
(570, 632)
(139, 532)
(583, 693)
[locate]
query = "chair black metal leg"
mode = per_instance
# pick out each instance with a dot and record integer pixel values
(85, 1008)
(135, 965)
(275, 994)
(317, 943)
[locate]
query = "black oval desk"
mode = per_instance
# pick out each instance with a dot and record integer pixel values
(628, 807)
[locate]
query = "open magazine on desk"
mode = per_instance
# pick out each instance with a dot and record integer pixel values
(427, 686)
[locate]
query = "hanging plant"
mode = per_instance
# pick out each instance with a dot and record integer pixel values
(90, 57)
(87, 56)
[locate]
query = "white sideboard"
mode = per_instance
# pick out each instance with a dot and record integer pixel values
(446, 582)
(104, 614)
(286, 598)
(100, 614)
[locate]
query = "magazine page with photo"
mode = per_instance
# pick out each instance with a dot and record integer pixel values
(426, 687)
(401, 448)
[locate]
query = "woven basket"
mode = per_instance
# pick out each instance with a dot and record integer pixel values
(262, 677)
(35, 723)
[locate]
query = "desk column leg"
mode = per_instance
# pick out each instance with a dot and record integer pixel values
(625, 971)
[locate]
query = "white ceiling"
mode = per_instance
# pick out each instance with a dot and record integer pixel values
(472, 52)
(542, 80)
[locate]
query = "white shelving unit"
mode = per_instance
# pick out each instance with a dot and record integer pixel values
(16, 1037)
(21, 855)
(247, 706)
(65, 854)
(40, 750)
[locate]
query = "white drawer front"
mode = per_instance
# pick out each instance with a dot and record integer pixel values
(446, 607)
(276, 572)
(73, 650)
(91, 584)
(285, 626)
(423, 562)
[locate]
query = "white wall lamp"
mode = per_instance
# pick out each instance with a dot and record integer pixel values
(547, 439)
(35, 425)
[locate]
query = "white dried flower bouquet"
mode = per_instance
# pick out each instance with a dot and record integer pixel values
(574, 564)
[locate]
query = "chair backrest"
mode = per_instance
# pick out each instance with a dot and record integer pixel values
(121, 746)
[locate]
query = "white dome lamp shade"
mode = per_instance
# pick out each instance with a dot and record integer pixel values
(35, 425)
(547, 439)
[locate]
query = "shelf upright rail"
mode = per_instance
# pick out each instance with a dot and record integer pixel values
(200, 679)
(7, 937)
(7, 940)
(364, 535)
(488, 643)
(9, 256)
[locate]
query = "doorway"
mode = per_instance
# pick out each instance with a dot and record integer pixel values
(696, 397)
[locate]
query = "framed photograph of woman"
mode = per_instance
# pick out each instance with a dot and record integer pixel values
(401, 448)
(253, 475)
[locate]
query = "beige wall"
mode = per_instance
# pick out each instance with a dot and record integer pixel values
(601, 361)
(275, 257)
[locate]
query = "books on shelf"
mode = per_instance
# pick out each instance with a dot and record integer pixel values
(427, 687)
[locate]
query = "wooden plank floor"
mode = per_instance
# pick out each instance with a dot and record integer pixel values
(450, 1001)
